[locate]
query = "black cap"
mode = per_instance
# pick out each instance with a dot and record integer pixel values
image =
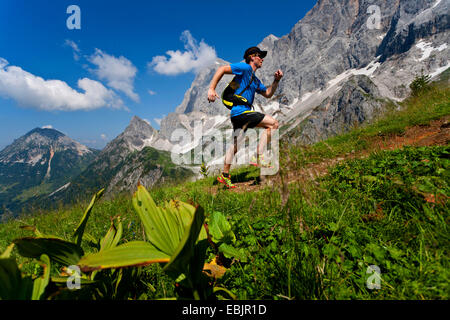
(254, 50)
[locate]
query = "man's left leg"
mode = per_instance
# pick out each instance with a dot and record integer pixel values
(238, 135)
(269, 124)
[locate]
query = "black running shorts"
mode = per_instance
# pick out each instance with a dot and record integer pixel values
(247, 120)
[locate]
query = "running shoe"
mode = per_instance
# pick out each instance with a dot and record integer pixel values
(261, 162)
(226, 181)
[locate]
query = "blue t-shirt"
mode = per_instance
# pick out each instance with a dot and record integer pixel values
(243, 72)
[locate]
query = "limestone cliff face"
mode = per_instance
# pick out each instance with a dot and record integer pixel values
(331, 39)
(336, 36)
(357, 102)
(414, 21)
(196, 107)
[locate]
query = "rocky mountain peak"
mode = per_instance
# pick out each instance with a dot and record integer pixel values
(39, 162)
(35, 144)
(268, 42)
(49, 133)
(195, 105)
(139, 126)
(195, 97)
(136, 136)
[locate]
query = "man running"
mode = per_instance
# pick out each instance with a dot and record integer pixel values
(242, 114)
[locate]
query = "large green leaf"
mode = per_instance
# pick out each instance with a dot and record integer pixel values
(173, 229)
(186, 213)
(41, 282)
(112, 237)
(197, 262)
(135, 253)
(163, 226)
(58, 280)
(7, 253)
(220, 229)
(231, 252)
(78, 234)
(61, 251)
(12, 285)
(185, 250)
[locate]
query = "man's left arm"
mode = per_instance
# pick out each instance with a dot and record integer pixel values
(273, 87)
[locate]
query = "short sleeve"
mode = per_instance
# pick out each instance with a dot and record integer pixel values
(239, 68)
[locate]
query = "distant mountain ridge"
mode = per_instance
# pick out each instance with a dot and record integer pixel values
(38, 163)
(27, 149)
(135, 156)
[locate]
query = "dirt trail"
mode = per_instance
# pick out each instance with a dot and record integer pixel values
(435, 133)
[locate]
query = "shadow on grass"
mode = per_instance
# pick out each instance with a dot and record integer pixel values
(244, 175)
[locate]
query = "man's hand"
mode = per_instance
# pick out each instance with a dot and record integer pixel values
(212, 94)
(271, 90)
(278, 75)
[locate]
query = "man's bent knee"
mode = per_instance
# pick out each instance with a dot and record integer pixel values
(269, 123)
(275, 125)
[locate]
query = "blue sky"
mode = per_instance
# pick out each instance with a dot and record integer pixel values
(89, 82)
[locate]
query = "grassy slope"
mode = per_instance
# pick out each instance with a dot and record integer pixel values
(315, 240)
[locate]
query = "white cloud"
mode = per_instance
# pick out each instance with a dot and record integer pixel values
(49, 126)
(196, 57)
(75, 48)
(35, 92)
(3, 63)
(103, 136)
(72, 44)
(118, 72)
(151, 92)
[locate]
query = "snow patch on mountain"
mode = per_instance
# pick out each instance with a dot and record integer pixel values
(34, 159)
(427, 48)
(367, 71)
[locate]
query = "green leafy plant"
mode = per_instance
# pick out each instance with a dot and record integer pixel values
(14, 286)
(59, 250)
(204, 170)
(68, 253)
(175, 237)
(224, 238)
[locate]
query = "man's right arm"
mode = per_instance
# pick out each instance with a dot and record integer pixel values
(212, 94)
